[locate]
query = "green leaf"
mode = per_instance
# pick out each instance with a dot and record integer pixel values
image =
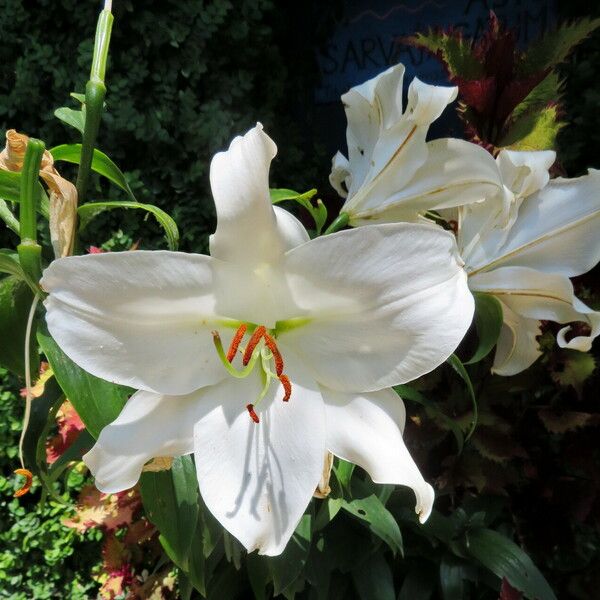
(505, 559)
(286, 567)
(97, 402)
(488, 322)
(452, 49)
(10, 189)
(373, 579)
(72, 117)
(15, 302)
(9, 263)
(554, 47)
(9, 218)
(327, 511)
(452, 576)
(535, 130)
(343, 472)
(281, 194)
(101, 164)
(88, 211)
(548, 91)
(433, 411)
(318, 212)
(455, 363)
(82, 444)
(418, 583)
(171, 502)
(372, 511)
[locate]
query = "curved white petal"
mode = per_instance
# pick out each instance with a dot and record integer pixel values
(541, 296)
(556, 229)
(366, 429)
(517, 347)
(150, 425)
(525, 173)
(291, 230)
(340, 176)
(257, 479)
(246, 226)
(427, 102)
(384, 304)
(455, 173)
(141, 319)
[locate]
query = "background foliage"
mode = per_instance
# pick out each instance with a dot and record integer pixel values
(184, 77)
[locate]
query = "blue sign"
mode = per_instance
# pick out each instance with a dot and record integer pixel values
(366, 41)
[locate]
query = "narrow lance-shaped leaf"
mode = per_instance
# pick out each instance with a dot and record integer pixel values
(10, 189)
(101, 164)
(88, 211)
(457, 365)
(488, 322)
(505, 559)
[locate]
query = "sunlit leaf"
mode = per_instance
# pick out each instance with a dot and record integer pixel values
(88, 211)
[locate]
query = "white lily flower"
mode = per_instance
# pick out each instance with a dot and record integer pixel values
(525, 257)
(392, 173)
(334, 323)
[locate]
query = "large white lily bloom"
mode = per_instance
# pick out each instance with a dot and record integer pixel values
(525, 252)
(346, 317)
(392, 173)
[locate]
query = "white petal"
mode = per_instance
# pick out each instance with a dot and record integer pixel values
(517, 347)
(257, 479)
(141, 319)
(427, 102)
(340, 176)
(525, 172)
(556, 230)
(149, 425)
(366, 429)
(541, 296)
(455, 173)
(246, 225)
(385, 304)
(291, 230)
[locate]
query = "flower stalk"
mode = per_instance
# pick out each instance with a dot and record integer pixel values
(339, 223)
(95, 92)
(30, 252)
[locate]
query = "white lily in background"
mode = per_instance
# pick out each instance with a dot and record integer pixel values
(320, 330)
(392, 173)
(525, 257)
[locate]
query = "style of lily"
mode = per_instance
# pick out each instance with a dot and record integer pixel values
(319, 331)
(392, 173)
(525, 253)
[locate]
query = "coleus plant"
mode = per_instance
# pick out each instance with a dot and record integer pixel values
(324, 335)
(508, 97)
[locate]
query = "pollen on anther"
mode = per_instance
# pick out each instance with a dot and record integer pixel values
(287, 387)
(27, 485)
(278, 360)
(252, 413)
(235, 342)
(254, 339)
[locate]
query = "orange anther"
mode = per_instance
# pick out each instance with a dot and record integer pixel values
(252, 413)
(235, 341)
(272, 346)
(27, 485)
(287, 387)
(258, 333)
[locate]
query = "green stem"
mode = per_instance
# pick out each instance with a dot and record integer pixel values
(339, 223)
(95, 91)
(30, 252)
(29, 195)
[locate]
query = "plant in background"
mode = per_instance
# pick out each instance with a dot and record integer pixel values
(323, 328)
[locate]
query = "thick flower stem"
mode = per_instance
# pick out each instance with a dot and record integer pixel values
(339, 223)
(95, 91)
(30, 252)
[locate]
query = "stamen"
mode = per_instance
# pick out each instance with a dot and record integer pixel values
(287, 387)
(235, 341)
(228, 366)
(252, 413)
(272, 346)
(27, 485)
(258, 333)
